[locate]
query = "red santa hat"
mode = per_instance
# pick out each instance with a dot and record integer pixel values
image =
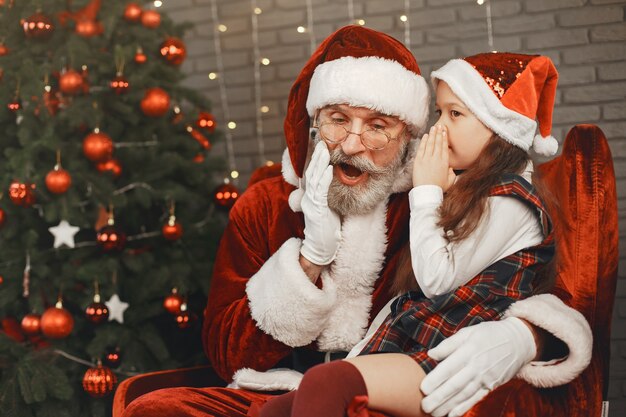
(507, 92)
(360, 67)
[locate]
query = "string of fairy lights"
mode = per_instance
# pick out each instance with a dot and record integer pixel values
(259, 61)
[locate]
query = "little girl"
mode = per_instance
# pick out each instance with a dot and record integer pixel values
(479, 236)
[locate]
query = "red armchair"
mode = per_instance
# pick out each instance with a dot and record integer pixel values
(583, 181)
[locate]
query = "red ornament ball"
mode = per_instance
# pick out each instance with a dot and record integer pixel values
(71, 82)
(112, 166)
(206, 121)
(199, 158)
(52, 101)
(225, 195)
(133, 12)
(97, 312)
(119, 84)
(112, 357)
(22, 194)
(58, 181)
(14, 105)
(88, 28)
(31, 324)
(99, 381)
(151, 19)
(140, 57)
(3, 217)
(3, 50)
(38, 26)
(185, 319)
(172, 230)
(56, 323)
(110, 238)
(174, 51)
(173, 302)
(155, 102)
(98, 147)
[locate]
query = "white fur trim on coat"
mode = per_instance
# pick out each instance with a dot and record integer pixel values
(376, 83)
(283, 300)
(356, 268)
(278, 379)
(550, 313)
(472, 89)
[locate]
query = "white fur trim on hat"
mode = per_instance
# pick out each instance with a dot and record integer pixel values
(472, 89)
(284, 302)
(376, 83)
(550, 313)
(545, 146)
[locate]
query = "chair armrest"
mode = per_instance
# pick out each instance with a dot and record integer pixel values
(136, 386)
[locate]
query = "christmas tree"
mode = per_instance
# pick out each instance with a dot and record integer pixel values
(109, 215)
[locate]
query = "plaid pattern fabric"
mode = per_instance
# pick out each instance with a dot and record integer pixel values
(417, 323)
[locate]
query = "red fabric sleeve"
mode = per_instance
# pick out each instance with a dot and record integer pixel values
(230, 336)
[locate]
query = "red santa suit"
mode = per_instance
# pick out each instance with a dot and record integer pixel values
(262, 306)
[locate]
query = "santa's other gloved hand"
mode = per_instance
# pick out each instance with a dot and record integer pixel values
(322, 226)
(474, 361)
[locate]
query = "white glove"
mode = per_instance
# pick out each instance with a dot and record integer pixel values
(322, 226)
(475, 360)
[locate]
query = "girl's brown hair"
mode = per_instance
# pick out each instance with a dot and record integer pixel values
(465, 203)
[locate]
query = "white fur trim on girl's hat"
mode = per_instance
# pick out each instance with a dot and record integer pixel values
(372, 82)
(507, 92)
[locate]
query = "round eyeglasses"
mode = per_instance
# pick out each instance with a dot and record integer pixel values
(376, 140)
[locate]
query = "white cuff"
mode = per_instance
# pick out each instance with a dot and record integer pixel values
(425, 196)
(278, 379)
(551, 314)
(283, 300)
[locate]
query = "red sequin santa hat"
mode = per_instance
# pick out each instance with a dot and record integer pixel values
(362, 68)
(507, 92)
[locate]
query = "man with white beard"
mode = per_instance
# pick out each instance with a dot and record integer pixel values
(308, 260)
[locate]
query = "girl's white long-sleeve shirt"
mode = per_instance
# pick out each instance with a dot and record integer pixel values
(439, 266)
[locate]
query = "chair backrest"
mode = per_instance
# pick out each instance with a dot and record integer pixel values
(583, 181)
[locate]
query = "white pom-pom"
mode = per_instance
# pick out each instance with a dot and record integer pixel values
(546, 146)
(295, 199)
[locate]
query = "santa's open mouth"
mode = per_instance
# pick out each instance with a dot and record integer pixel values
(349, 174)
(350, 170)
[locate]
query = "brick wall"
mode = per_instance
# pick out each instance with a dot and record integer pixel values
(584, 38)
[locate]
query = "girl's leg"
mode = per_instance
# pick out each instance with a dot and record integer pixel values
(392, 381)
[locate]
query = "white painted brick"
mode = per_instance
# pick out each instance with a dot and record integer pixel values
(576, 114)
(460, 31)
(501, 43)
(557, 38)
(595, 53)
(276, 19)
(588, 16)
(576, 75)
(542, 5)
(374, 7)
(603, 33)
(498, 9)
(614, 111)
(433, 17)
(434, 53)
(244, 41)
(523, 24)
(437, 3)
(612, 71)
(614, 130)
(596, 93)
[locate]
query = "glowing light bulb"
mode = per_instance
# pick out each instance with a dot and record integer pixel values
(265, 109)
(232, 125)
(234, 174)
(404, 18)
(265, 61)
(257, 10)
(301, 29)
(222, 28)
(212, 75)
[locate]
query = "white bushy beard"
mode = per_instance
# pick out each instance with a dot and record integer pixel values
(362, 198)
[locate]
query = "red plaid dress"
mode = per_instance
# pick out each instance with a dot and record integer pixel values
(417, 323)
